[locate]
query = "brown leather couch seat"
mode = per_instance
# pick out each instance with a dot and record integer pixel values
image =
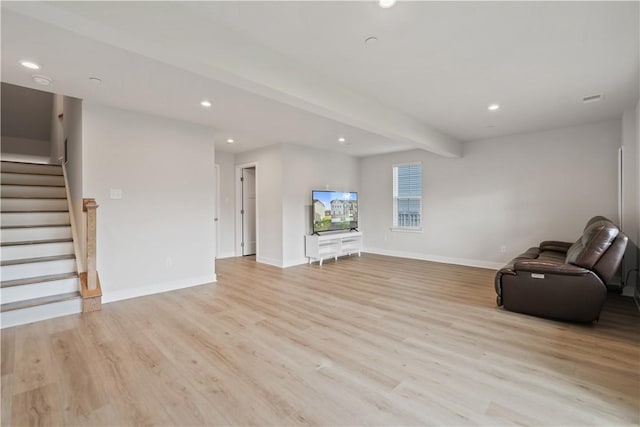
(562, 280)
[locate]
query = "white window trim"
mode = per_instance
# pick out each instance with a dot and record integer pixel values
(394, 226)
(406, 229)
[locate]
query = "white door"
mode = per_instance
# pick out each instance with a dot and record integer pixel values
(249, 211)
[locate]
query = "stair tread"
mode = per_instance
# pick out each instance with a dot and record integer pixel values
(34, 185)
(35, 197)
(36, 210)
(39, 301)
(12, 227)
(29, 163)
(35, 242)
(37, 259)
(56, 170)
(39, 279)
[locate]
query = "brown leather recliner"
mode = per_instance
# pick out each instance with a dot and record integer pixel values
(561, 280)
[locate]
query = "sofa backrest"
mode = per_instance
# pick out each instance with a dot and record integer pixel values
(596, 219)
(600, 248)
(608, 264)
(594, 242)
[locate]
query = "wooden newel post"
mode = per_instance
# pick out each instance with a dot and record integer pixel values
(90, 206)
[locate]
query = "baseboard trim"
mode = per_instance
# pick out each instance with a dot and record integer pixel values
(294, 263)
(400, 254)
(108, 297)
(436, 258)
(226, 255)
(269, 261)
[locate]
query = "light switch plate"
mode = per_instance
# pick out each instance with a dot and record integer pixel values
(116, 193)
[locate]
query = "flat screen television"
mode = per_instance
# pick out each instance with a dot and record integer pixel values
(334, 210)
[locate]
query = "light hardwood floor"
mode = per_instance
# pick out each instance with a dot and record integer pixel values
(362, 341)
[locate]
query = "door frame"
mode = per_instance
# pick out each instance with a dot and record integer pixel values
(238, 216)
(216, 219)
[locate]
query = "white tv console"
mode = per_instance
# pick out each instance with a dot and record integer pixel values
(332, 245)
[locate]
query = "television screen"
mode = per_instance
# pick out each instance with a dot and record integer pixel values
(334, 210)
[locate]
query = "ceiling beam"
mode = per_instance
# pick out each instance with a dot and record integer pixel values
(217, 52)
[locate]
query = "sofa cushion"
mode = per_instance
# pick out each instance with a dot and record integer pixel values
(554, 245)
(551, 257)
(545, 267)
(595, 240)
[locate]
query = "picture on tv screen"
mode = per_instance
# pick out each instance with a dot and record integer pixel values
(334, 210)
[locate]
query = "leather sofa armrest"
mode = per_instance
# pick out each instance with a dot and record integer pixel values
(534, 266)
(552, 245)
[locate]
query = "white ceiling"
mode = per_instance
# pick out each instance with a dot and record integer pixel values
(300, 72)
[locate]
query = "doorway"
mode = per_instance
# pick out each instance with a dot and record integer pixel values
(247, 207)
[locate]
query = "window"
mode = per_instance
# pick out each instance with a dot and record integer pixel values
(407, 196)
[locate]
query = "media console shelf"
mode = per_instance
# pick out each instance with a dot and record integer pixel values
(332, 245)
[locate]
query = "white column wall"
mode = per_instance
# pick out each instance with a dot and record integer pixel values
(160, 235)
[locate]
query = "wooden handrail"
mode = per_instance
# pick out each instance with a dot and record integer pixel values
(89, 280)
(90, 206)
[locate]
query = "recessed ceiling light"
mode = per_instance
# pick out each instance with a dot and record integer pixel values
(341, 139)
(230, 141)
(206, 103)
(95, 80)
(385, 4)
(494, 107)
(30, 65)
(43, 80)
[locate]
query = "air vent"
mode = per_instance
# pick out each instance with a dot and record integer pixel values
(592, 98)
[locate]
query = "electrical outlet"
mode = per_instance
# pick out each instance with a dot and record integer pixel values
(169, 262)
(116, 193)
(503, 249)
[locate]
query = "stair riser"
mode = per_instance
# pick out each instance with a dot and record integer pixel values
(37, 233)
(33, 251)
(37, 290)
(34, 204)
(31, 168)
(31, 191)
(34, 218)
(41, 312)
(26, 179)
(23, 271)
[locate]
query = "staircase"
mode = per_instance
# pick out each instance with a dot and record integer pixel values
(38, 271)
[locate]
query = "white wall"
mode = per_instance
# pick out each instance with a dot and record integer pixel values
(638, 166)
(25, 149)
(160, 235)
(57, 129)
(269, 182)
(26, 113)
(285, 176)
(26, 124)
(638, 186)
(72, 131)
(513, 191)
(310, 169)
(227, 210)
(630, 196)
